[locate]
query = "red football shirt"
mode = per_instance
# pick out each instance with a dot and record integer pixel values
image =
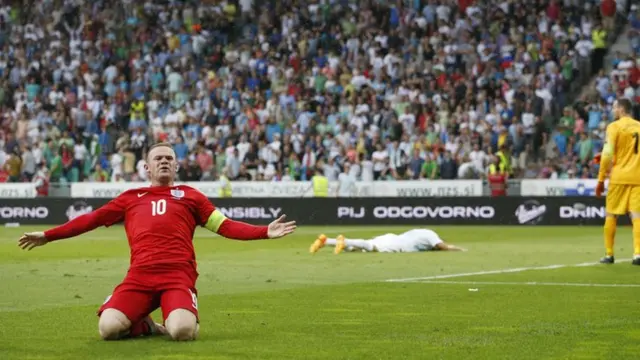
(159, 222)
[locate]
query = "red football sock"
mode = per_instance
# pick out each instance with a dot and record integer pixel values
(143, 327)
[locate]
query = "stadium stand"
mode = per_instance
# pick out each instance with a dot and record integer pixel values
(271, 90)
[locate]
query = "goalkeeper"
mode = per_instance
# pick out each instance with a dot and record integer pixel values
(620, 162)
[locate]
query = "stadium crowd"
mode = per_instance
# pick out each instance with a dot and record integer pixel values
(273, 90)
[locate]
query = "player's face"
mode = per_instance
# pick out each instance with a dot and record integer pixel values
(161, 165)
(616, 110)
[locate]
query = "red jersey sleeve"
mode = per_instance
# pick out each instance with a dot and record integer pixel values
(107, 215)
(203, 207)
(205, 213)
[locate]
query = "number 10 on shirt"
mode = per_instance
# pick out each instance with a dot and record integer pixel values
(158, 207)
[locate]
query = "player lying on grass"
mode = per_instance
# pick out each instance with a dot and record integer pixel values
(620, 160)
(159, 222)
(411, 241)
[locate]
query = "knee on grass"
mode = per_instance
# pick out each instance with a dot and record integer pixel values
(182, 325)
(113, 324)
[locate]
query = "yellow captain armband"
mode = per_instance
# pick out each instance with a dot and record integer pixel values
(607, 150)
(215, 220)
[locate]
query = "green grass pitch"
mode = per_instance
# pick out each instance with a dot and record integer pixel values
(273, 300)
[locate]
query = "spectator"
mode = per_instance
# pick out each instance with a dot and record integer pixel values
(331, 170)
(429, 168)
(41, 181)
(13, 166)
(415, 165)
(273, 91)
(243, 174)
(190, 172)
(380, 159)
(56, 165)
(28, 163)
(233, 163)
(346, 182)
(99, 174)
(448, 167)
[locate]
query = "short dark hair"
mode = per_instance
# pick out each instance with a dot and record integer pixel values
(157, 145)
(626, 105)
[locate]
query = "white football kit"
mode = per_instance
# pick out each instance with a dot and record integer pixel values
(411, 241)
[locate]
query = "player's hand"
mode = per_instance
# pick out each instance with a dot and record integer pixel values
(596, 158)
(279, 228)
(31, 240)
(599, 188)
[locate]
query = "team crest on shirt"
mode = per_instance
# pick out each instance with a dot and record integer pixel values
(177, 193)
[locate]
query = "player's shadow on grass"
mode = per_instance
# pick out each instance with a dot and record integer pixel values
(161, 346)
(202, 338)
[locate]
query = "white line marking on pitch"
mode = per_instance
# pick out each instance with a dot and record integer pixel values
(501, 271)
(531, 283)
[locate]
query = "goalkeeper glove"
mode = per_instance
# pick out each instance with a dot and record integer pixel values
(596, 158)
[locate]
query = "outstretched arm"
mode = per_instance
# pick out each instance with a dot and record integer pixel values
(85, 223)
(238, 230)
(214, 220)
(109, 214)
(448, 247)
